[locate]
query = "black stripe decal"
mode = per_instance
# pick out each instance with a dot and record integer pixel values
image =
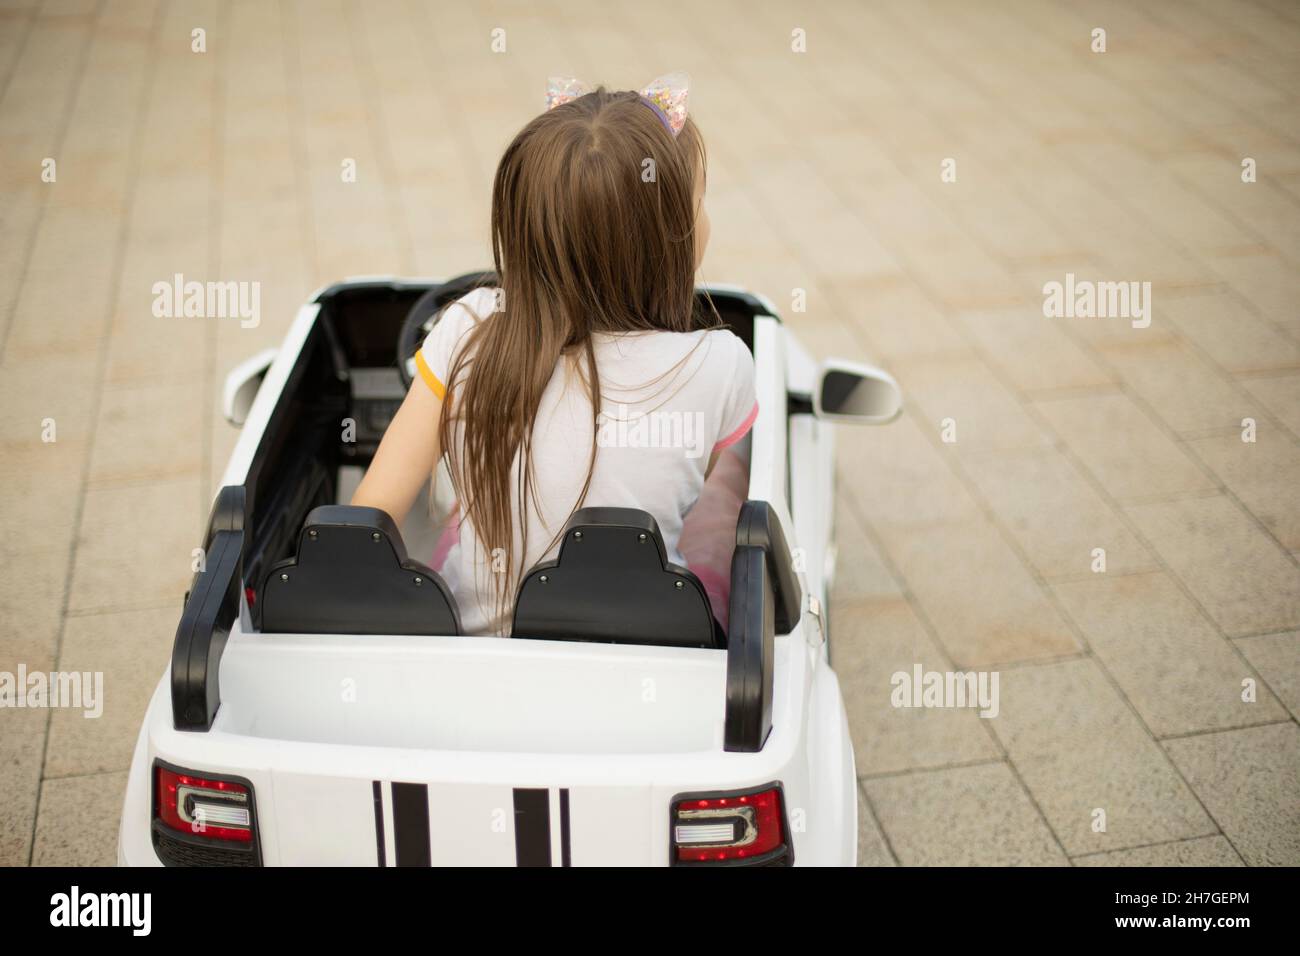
(411, 824)
(379, 822)
(532, 827)
(565, 855)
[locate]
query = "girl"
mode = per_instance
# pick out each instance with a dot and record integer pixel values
(588, 378)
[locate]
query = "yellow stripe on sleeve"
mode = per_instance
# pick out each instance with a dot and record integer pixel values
(430, 379)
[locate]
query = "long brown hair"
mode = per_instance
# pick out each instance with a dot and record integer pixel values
(593, 230)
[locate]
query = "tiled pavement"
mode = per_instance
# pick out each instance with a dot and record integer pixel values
(1120, 691)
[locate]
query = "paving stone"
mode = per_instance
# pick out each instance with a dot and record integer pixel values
(872, 849)
(1080, 750)
(1123, 448)
(964, 816)
(1241, 577)
(823, 338)
(1247, 780)
(898, 479)
(1185, 391)
(130, 651)
(1263, 205)
(983, 603)
(1032, 350)
(1205, 851)
(1265, 280)
(1263, 474)
(1277, 658)
(870, 643)
(1281, 395)
(22, 741)
(31, 597)
(151, 528)
(1056, 515)
(1170, 661)
(988, 419)
(71, 830)
(1178, 211)
(860, 571)
(896, 317)
(45, 422)
(146, 433)
(1237, 339)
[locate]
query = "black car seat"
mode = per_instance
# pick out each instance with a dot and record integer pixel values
(612, 582)
(351, 575)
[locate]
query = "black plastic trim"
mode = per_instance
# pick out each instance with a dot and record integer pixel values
(748, 718)
(759, 527)
(387, 283)
(211, 608)
(750, 301)
(765, 600)
(798, 403)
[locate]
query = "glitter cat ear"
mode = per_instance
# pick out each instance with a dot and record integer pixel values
(564, 89)
(667, 94)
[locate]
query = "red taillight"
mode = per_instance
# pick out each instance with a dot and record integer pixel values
(728, 828)
(218, 809)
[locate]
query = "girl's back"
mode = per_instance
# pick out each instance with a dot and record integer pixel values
(669, 402)
(590, 377)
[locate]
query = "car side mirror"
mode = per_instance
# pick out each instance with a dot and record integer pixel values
(858, 394)
(242, 384)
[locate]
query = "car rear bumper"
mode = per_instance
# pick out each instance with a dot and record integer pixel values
(358, 805)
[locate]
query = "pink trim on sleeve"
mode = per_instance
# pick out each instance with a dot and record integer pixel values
(740, 432)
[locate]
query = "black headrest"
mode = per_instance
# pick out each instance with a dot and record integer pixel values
(612, 582)
(352, 576)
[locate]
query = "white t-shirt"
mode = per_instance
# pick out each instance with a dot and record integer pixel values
(668, 400)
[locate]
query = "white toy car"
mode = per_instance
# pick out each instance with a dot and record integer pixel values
(321, 709)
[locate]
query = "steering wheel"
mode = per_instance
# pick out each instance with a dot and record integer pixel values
(425, 314)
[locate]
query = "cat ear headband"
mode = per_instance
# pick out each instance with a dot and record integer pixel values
(666, 95)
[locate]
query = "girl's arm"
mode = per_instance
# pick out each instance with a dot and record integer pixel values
(713, 460)
(406, 456)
